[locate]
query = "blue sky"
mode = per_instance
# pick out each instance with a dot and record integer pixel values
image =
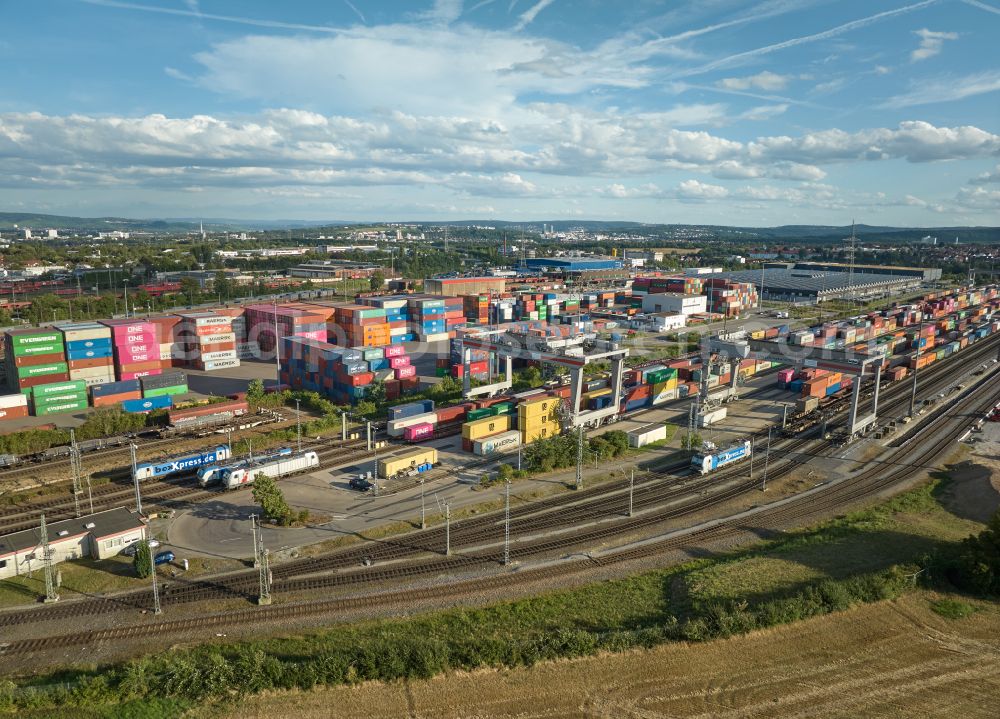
(758, 112)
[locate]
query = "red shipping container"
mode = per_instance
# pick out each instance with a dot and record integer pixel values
(451, 414)
(412, 383)
(37, 360)
(221, 347)
(113, 399)
(42, 379)
(466, 445)
(13, 412)
(91, 363)
(140, 366)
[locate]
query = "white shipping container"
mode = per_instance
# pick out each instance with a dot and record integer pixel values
(91, 381)
(395, 427)
(248, 350)
(221, 364)
(667, 396)
(217, 339)
(642, 436)
(13, 400)
(92, 372)
(216, 356)
(98, 332)
(497, 443)
(707, 418)
(213, 320)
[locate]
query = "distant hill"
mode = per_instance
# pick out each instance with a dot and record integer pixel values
(697, 233)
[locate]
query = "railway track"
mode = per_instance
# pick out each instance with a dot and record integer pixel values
(900, 465)
(655, 501)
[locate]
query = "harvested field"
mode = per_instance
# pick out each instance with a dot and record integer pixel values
(893, 659)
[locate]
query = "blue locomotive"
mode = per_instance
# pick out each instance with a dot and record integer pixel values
(706, 462)
(182, 463)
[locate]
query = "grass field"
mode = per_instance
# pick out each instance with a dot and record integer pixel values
(892, 659)
(619, 646)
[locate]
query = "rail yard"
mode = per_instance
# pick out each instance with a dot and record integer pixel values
(815, 454)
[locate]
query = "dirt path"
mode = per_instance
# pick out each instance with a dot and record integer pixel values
(895, 659)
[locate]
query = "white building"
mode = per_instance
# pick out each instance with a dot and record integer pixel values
(99, 536)
(675, 303)
(696, 271)
(664, 322)
(26, 233)
(52, 234)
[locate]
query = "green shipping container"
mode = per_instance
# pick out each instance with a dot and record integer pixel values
(475, 414)
(442, 371)
(39, 338)
(60, 408)
(504, 408)
(38, 370)
(163, 391)
(39, 349)
(44, 401)
(56, 388)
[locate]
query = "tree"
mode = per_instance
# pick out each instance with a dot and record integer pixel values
(272, 502)
(376, 393)
(978, 565)
(143, 559)
(377, 280)
(255, 391)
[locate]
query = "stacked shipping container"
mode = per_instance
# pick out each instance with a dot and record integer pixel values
(136, 348)
(209, 341)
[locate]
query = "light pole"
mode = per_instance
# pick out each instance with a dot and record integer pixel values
(506, 524)
(298, 425)
(423, 511)
(447, 529)
(125, 282)
(916, 366)
(277, 358)
(767, 456)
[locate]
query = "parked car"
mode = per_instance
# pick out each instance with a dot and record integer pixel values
(360, 483)
(129, 550)
(163, 557)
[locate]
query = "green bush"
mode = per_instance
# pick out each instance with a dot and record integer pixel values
(977, 566)
(142, 560)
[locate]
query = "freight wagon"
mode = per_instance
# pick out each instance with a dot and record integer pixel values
(709, 462)
(406, 461)
(274, 468)
(182, 464)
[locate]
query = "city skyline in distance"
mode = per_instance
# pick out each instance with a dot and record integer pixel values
(731, 113)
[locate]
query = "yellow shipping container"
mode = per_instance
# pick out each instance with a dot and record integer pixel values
(390, 466)
(538, 407)
(477, 429)
(542, 431)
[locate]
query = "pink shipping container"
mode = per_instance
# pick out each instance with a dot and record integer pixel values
(137, 375)
(143, 348)
(786, 375)
(397, 362)
(314, 335)
(139, 337)
(405, 372)
(134, 357)
(395, 351)
(417, 432)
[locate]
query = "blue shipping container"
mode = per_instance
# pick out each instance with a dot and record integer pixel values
(147, 404)
(103, 390)
(88, 354)
(77, 345)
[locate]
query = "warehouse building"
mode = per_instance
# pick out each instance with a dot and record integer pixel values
(456, 286)
(803, 286)
(675, 303)
(99, 536)
(927, 274)
(574, 264)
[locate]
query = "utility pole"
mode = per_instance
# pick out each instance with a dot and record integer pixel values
(506, 525)
(916, 365)
(74, 464)
(767, 456)
(631, 491)
(135, 481)
(156, 588)
(298, 425)
(751, 456)
(579, 457)
(126, 298)
(261, 561)
(447, 529)
(277, 354)
(784, 415)
(518, 456)
(343, 426)
(423, 510)
(50, 587)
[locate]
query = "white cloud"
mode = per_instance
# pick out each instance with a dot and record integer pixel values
(529, 15)
(985, 177)
(978, 198)
(695, 190)
(766, 80)
(946, 89)
(931, 42)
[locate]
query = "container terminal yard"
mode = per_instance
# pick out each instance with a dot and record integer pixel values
(758, 424)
